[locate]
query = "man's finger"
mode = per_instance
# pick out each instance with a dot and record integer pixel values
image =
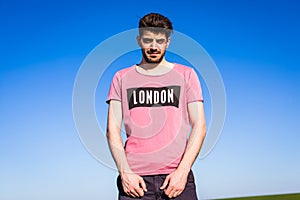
(139, 191)
(172, 193)
(176, 194)
(143, 184)
(133, 193)
(166, 182)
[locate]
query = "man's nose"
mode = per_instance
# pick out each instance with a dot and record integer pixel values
(153, 45)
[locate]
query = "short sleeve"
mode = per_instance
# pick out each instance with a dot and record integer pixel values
(193, 88)
(115, 89)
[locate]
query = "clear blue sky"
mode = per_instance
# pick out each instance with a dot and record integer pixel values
(255, 45)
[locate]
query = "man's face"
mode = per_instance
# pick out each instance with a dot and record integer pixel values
(153, 46)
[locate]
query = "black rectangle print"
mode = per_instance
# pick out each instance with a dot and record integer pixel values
(153, 96)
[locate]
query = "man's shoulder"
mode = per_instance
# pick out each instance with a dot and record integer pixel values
(125, 70)
(183, 68)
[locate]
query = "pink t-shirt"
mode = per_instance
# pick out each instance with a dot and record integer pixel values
(155, 116)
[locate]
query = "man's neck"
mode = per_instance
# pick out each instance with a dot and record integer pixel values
(154, 69)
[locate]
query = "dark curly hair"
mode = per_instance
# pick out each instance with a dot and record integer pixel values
(155, 23)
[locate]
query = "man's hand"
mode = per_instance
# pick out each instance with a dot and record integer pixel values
(133, 184)
(175, 183)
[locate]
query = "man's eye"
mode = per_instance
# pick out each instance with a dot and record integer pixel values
(160, 41)
(147, 40)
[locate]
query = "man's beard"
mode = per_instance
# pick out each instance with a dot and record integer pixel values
(148, 59)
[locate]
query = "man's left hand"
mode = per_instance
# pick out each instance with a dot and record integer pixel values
(175, 183)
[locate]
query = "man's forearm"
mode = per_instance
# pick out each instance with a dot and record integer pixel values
(197, 135)
(113, 135)
(132, 184)
(175, 182)
(193, 147)
(118, 152)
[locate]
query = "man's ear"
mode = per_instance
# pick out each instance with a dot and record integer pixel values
(138, 39)
(168, 42)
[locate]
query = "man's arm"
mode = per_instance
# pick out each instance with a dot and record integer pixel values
(176, 181)
(133, 184)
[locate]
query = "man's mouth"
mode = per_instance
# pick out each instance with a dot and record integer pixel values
(153, 53)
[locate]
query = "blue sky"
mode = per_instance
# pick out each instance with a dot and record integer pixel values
(43, 44)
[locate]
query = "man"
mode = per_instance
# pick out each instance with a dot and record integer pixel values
(161, 106)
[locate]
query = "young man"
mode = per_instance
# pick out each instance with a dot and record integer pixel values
(161, 106)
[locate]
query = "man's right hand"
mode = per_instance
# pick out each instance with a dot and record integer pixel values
(133, 184)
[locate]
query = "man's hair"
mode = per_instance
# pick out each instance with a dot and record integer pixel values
(155, 23)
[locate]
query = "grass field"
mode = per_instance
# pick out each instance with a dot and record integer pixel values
(270, 197)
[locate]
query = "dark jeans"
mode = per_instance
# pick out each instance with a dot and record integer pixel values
(154, 182)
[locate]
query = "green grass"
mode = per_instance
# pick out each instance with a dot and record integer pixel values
(270, 197)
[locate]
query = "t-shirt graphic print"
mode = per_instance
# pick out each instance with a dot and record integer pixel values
(153, 96)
